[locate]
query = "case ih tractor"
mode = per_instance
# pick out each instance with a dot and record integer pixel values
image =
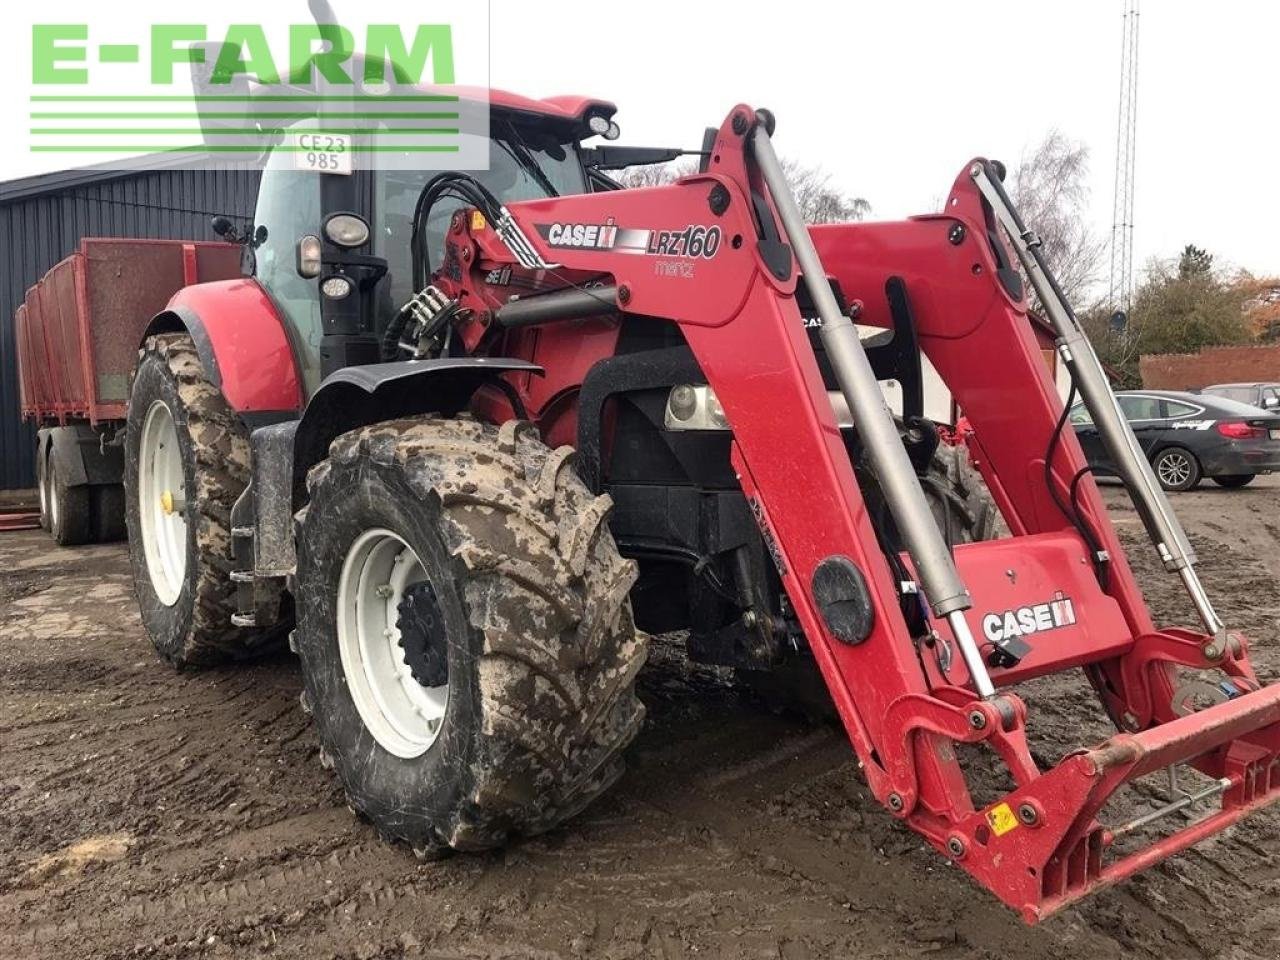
(465, 438)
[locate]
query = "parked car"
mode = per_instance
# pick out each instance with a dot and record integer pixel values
(1265, 396)
(1188, 436)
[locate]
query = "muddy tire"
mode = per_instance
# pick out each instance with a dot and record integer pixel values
(69, 516)
(961, 504)
(964, 512)
(185, 592)
(523, 673)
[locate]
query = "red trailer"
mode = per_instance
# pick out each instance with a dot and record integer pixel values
(78, 335)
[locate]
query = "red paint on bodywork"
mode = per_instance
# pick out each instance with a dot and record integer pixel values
(1043, 844)
(248, 338)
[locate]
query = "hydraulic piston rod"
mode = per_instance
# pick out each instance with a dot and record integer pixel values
(1091, 380)
(943, 588)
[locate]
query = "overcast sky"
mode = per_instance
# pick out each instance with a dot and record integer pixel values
(893, 98)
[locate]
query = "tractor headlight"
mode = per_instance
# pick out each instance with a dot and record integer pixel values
(335, 288)
(602, 126)
(346, 230)
(309, 252)
(694, 407)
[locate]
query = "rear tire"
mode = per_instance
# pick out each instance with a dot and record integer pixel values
(1233, 481)
(964, 512)
(1176, 469)
(68, 509)
(528, 653)
(181, 554)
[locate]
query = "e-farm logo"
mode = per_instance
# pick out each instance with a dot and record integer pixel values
(329, 95)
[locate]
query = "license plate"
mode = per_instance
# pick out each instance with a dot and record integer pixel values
(1275, 434)
(322, 152)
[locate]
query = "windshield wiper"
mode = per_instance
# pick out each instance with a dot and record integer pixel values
(520, 153)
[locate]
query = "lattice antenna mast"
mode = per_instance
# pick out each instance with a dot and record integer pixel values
(1121, 294)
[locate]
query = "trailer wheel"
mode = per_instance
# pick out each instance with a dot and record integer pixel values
(42, 483)
(106, 507)
(186, 462)
(68, 508)
(964, 512)
(467, 644)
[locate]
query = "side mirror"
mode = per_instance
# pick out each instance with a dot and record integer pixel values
(223, 227)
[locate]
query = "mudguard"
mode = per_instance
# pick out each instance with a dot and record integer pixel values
(355, 396)
(81, 456)
(242, 343)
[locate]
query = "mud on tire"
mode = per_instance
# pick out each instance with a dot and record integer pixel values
(540, 645)
(196, 629)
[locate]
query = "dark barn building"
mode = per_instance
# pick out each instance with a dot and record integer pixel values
(42, 219)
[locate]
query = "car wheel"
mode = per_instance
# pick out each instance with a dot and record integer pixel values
(1233, 481)
(1177, 469)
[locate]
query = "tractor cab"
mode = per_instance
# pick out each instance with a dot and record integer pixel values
(336, 253)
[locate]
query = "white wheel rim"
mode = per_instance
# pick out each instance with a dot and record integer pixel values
(52, 496)
(1174, 469)
(403, 716)
(162, 506)
(44, 493)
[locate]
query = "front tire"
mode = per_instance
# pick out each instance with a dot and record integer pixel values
(463, 574)
(1177, 469)
(1234, 481)
(186, 462)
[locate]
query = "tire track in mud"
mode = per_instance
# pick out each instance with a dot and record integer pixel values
(735, 833)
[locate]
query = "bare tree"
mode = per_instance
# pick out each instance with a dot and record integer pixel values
(818, 199)
(1050, 189)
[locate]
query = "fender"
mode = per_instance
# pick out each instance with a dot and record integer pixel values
(80, 455)
(242, 344)
(351, 397)
(355, 396)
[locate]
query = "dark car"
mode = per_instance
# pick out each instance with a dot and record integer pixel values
(1187, 436)
(1265, 396)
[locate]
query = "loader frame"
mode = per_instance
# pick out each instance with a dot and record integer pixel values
(1060, 583)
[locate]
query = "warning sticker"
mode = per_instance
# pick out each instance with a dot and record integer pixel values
(1002, 819)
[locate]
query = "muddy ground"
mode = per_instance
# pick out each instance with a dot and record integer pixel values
(148, 814)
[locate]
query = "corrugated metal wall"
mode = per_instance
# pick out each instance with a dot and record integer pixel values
(39, 230)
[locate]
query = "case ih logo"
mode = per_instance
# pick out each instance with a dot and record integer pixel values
(693, 241)
(1037, 618)
(589, 236)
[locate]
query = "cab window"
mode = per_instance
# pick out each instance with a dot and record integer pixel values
(1080, 415)
(288, 207)
(524, 164)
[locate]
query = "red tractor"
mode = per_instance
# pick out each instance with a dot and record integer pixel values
(466, 437)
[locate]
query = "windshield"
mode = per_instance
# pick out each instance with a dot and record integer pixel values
(556, 170)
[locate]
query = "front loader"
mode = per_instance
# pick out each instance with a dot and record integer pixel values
(468, 436)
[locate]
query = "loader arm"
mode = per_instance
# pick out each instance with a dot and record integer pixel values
(720, 254)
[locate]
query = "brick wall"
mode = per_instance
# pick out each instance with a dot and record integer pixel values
(1190, 371)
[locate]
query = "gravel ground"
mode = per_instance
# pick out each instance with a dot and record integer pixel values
(144, 813)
